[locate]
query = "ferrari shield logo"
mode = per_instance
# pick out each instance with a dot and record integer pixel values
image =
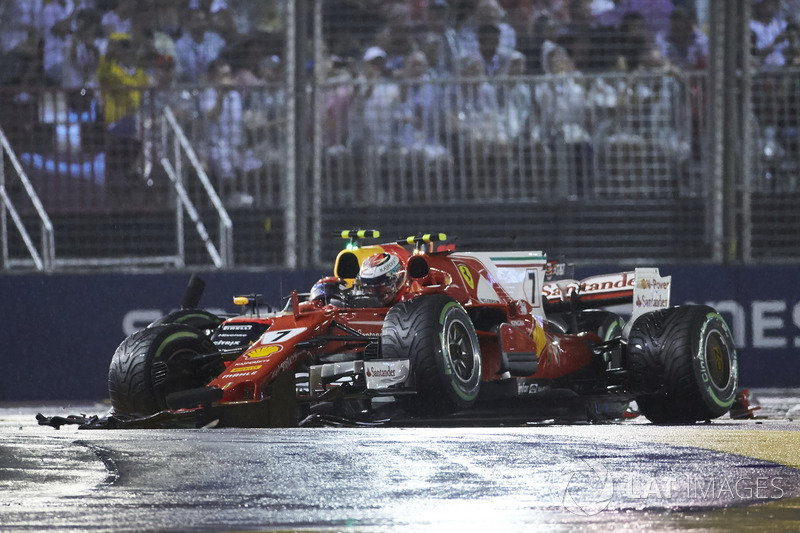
(467, 275)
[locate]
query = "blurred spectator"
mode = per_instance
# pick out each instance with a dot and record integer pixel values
(197, 47)
(590, 45)
(562, 98)
(118, 19)
(651, 106)
(150, 40)
(19, 39)
(85, 49)
(603, 6)
(376, 100)
(792, 10)
(475, 124)
(655, 13)
(165, 91)
(515, 98)
(396, 38)
(18, 21)
(684, 44)
(495, 58)
(769, 28)
(531, 35)
(120, 79)
(222, 109)
(162, 94)
(568, 107)
(167, 17)
(265, 112)
(338, 27)
(669, 120)
(791, 52)
(555, 10)
(56, 28)
(776, 104)
(417, 115)
(117, 72)
(633, 39)
(221, 20)
(473, 105)
(336, 101)
(487, 12)
(440, 41)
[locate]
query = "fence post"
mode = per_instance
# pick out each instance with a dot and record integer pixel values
(318, 114)
(290, 215)
(747, 153)
(716, 121)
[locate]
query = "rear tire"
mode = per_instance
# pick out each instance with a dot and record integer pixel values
(436, 333)
(154, 362)
(682, 365)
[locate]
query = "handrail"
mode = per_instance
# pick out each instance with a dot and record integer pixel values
(225, 254)
(192, 212)
(45, 261)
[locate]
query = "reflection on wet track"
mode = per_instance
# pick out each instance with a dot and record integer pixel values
(540, 477)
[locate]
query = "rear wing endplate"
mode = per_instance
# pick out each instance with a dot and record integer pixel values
(645, 288)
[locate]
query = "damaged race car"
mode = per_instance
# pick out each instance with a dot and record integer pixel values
(412, 331)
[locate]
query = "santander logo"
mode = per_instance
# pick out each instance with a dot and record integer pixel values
(380, 372)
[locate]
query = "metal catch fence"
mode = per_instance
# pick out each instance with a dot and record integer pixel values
(697, 162)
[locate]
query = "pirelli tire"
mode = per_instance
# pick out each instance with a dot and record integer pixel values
(154, 362)
(682, 365)
(437, 334)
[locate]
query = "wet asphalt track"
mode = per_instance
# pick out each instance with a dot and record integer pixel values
(729, 475)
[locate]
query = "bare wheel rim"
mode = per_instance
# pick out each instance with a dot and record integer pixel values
(717, 359)
(460, 350)
(175, 370)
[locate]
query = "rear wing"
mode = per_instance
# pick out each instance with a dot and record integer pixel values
(644, 288)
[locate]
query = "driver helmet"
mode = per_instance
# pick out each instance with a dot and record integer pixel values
(329, 290)
(381, 276)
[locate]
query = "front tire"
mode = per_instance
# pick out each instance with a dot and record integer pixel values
(682, 364)
(436, 333)
(154, 362)
(195, 318)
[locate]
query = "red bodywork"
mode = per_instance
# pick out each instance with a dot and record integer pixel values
(293, 337)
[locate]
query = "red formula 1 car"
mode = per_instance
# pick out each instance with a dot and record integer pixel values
(403, 333)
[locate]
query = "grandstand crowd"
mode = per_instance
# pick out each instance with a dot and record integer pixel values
(428, 76)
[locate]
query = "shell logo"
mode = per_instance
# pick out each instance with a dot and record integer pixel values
(264, 351)
(467, 275)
